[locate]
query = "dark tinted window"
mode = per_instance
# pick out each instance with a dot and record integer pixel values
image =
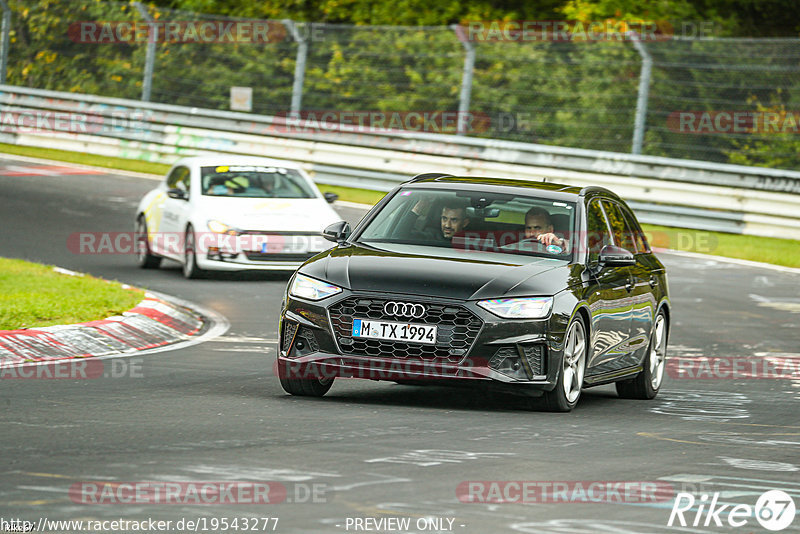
(623, 237)
(598, 235)
(638, 235)
(179, 178)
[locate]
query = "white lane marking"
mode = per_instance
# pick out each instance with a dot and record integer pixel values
(385, 479)
(698, 405)
(430, 457)
(759, 465)
(236, 472)
(791, 305)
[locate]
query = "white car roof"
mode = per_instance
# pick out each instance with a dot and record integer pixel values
(217, 160)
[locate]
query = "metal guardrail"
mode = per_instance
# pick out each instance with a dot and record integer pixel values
(666, 191)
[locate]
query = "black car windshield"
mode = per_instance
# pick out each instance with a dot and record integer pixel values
(253, 182)
(476, 221)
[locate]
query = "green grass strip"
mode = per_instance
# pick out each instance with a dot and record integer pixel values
(784, 252)
(82, 158)
(34, 295)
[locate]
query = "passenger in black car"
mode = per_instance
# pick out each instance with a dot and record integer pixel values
(417, 224)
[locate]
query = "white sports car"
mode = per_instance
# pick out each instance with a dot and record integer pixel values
(233, 213)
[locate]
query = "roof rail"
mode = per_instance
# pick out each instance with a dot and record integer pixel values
(426, 175)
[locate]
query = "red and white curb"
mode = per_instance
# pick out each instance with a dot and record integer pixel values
(157, 323)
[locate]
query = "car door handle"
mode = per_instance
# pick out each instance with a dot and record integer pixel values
(653, 281)
(629, 286)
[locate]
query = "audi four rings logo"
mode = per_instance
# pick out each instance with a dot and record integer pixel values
(404, 309)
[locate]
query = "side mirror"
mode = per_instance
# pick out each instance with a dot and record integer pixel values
(337, 232)
(179, 194)
(613, 256)
(330, 197)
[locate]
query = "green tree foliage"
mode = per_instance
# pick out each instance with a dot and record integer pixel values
(575, 93)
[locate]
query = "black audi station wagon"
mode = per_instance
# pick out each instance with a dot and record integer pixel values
(533, 288)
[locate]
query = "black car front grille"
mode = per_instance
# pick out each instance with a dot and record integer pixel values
(457, 329)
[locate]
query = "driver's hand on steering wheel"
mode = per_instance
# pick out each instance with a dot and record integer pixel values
(551, 239)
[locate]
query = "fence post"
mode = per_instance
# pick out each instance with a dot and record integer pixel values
(299, 67)
(4, 41)
(644, 90)
(466, 78)
(150, 59)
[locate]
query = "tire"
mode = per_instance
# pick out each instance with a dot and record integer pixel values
(564, 397)
(144, 256)
(646, 384)
(190, 268)
(311, 386)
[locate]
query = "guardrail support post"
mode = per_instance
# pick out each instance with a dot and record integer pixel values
(299, 67)
(4, 41)
(466, 78)
(644, 90)
(150, 59)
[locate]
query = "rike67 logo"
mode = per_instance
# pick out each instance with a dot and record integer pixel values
(774, 510)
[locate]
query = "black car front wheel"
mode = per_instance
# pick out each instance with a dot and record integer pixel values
(309, 383)
(564, 397)
(646, 384)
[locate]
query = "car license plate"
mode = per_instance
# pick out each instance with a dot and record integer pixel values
(412, 333)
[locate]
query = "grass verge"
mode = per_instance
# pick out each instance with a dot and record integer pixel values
(81, 158)
(34, 295)
(362, 196)
(784, 252)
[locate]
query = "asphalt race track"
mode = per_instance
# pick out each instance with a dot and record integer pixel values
(378, 451)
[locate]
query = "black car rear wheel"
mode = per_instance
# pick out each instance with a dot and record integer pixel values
(647, 383)
(564, 397)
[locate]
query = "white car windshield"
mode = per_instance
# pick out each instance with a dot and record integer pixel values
(254, 182)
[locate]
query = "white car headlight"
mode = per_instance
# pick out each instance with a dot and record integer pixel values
(311, 289)
(221, 228)
(519, 308)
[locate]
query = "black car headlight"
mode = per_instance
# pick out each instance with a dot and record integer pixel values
(309, 288)
(519, 308)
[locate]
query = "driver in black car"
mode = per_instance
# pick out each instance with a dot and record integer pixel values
(453, 220)
(539, 227)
